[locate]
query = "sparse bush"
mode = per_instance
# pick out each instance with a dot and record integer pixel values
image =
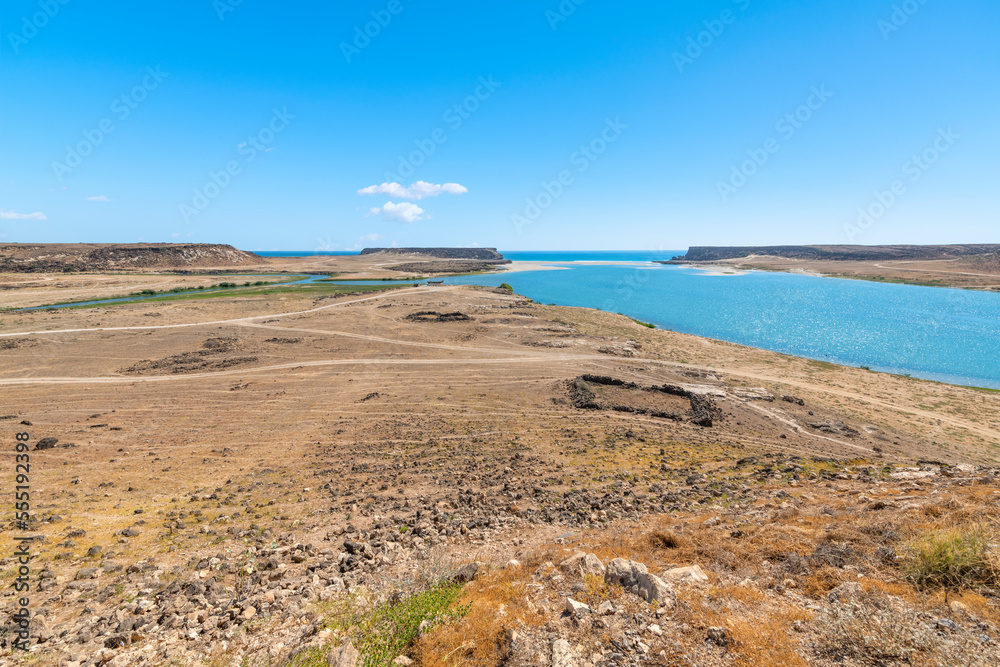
(873, 632)
(877, 631)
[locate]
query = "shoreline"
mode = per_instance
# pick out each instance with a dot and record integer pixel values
(877, 273)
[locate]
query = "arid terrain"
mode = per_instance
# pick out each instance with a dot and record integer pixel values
(461, 476)
(968, 267)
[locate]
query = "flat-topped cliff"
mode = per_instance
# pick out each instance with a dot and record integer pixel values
(839, 252)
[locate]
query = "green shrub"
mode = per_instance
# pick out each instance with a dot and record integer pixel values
(951, 558)
(506, 287)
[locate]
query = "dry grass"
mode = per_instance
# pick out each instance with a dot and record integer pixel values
(495, 602)
(761, 631)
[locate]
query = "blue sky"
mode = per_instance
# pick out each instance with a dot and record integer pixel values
(582, 124)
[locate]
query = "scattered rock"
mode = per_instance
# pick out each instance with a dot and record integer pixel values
(344, 656)
(466, 573)
(606, 609)
(690, 573)
(636, 579)
(718, 636)
(574, 608)
(582, 563)
(562, 654)
(845, 592)
(46, 443)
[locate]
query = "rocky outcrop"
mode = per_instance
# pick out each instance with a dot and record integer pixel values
(71, 257)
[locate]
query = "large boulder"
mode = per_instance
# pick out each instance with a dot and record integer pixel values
(636, 579)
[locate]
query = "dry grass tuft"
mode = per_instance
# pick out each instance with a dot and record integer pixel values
(663, 540)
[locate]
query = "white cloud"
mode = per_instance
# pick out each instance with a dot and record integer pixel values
(98, 198)
(405, 212)
(418, 190)
(11, 215)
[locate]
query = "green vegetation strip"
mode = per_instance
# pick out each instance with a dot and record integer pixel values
(280, 288)
(382, 633)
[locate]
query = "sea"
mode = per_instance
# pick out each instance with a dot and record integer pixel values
(947, 335)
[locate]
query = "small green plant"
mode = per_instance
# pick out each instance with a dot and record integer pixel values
(865, 368)
(506, 287)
